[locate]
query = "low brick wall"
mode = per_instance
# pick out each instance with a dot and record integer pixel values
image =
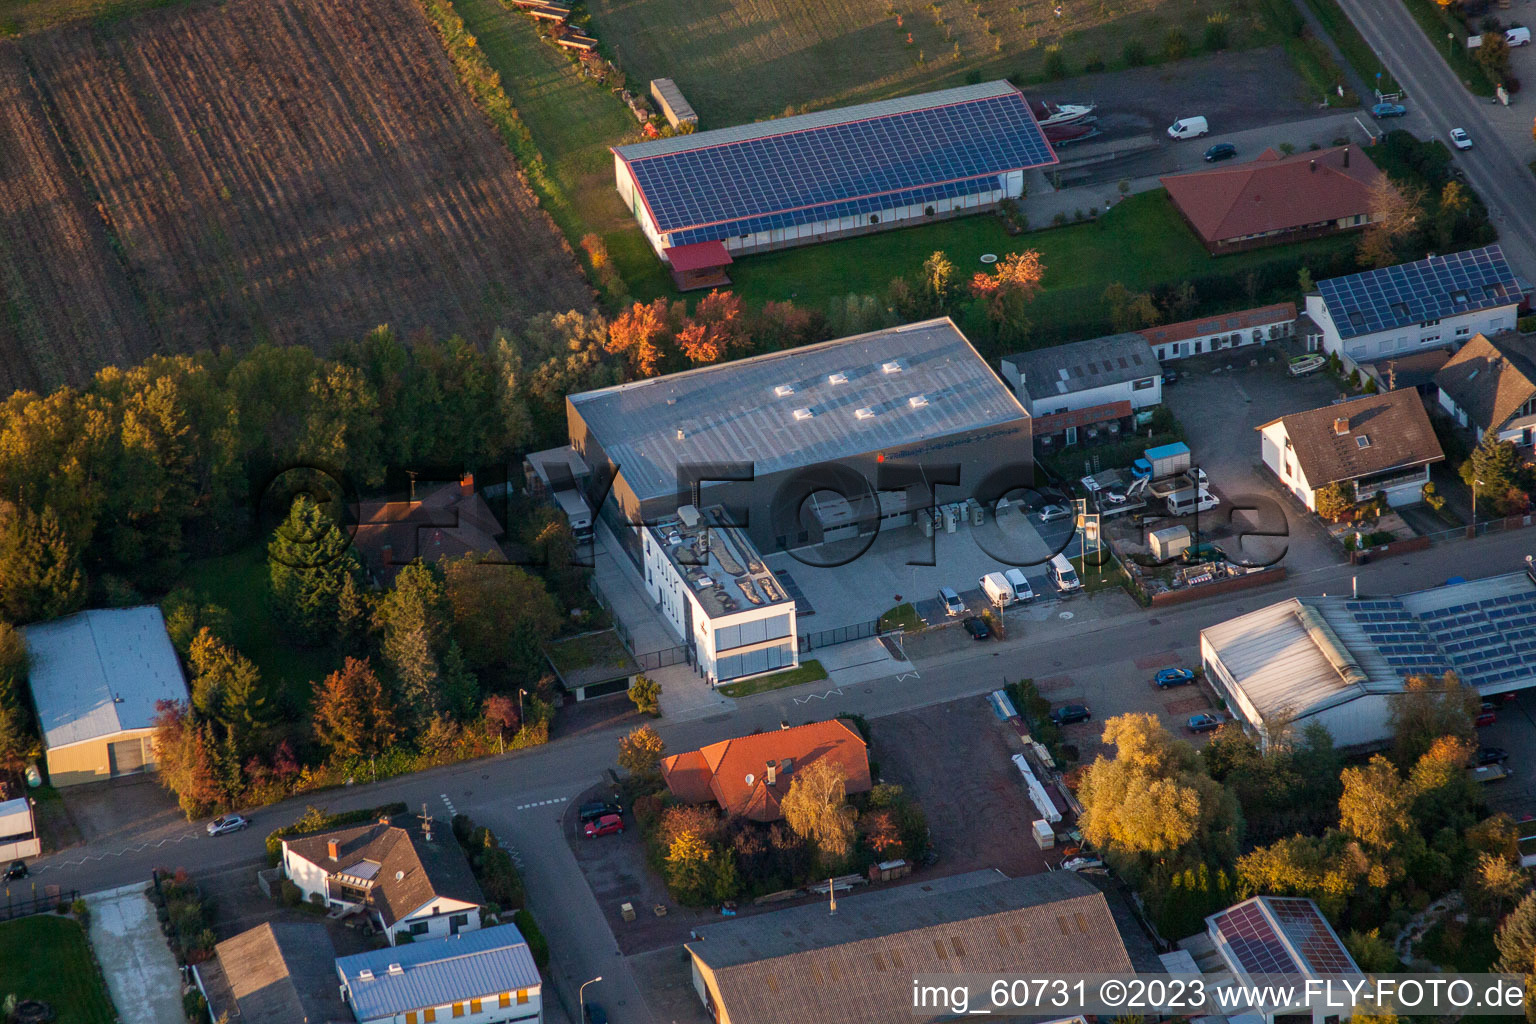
(1226, 586)
(1396, 547)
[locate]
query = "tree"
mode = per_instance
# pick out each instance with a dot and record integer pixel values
(1304, 280)
(412, 617)
(307, 560)
(40, 574)
(1327, 869)
(687, 867)
(227, 687)
(1375, 806)
(1371, 952)
(500, 714)
(816, 808)
(353, 714)
(1451, 213)
(1130, 311)
(643, 335)
(354, 612)
(187, 763)
(1332, 501)
(1427, 709)
(717, 329)
(646, 693)
(1495, 882)
(938, 280)
(1493, 56)
(1181, 302)
(1395, 208)
(1008, 291)
(640, 753)
(18, 744)
(502, 615)
(1495, 465)
(881, 833)
(1516, 937)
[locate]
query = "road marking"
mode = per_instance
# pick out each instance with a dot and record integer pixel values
(543, 803)
(80, 861)
(909, 675)
(451, 810)
(817, 696)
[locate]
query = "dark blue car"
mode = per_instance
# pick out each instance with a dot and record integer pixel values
(1220, 151)
(1169, 677)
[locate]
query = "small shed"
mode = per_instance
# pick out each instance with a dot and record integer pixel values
(584, 44)
(1169, 542)
(18, 831)
(672, 103)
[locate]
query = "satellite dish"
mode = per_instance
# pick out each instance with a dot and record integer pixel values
(750, 779)
(399, 875)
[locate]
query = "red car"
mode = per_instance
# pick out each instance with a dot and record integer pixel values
(1484, 718)
(606, 825)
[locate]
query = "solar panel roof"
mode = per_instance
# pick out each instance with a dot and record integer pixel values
(1282, 935)
(1412, 293)
(853, 161)
(1485, 640)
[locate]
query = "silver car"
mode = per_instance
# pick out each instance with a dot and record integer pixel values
(228, 823)
(952, 603)
(1051, 513)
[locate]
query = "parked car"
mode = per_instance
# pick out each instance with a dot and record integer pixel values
(1517, 36)
(1460, 139)
(1492, 755)
(1170, 677)
(977, 627)
(599, 809)
(1069, 713)
(17, 871)
(1110, 499)
(1170, 377)
(608, 824)
(1051, 513)
(1022, 591)
(1388, 110)
(1485, 718)
(228, 823)
(1207, 722)
(952, 603)
(1220, 151)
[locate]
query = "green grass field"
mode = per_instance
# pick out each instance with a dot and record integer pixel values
(18, 17)
(238, 583)
(1142, 242)
(48, 958)
(573, 122)
(807, 672)
(740, 60)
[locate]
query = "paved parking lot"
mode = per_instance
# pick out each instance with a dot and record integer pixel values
(885, 575)
(1515, 731)
(1220, 411)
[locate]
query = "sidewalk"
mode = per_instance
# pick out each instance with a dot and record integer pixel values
(141, 973)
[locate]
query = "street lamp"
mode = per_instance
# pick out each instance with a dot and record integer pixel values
(581, 998)
(521, 693)
(1450, 40)
(1475, 483)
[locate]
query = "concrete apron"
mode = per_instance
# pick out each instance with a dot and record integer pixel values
(141, 973)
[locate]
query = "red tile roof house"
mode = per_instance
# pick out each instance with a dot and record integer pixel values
(449, 521)
(1276, 199)
(1224, 331)
(749, 775)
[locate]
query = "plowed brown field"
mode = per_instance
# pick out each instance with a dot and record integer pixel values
(297, 171)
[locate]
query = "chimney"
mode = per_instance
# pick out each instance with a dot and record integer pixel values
(1314, 166)
(383, 819)
(1341, 425)
(467, 482)
(332, 849)
(771, 773)
(1346, 156)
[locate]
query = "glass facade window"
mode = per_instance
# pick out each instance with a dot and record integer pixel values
(755, 632)
(753, 662)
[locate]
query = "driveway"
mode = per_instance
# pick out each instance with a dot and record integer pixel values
(1220, 410)
(141, 973)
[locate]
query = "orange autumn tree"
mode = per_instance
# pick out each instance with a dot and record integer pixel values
(643, 334)
(718, 328)
(1007, 291)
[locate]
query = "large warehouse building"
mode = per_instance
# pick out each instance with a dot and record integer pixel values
(701, 198)
(1338, 660)
(95, 679)
(776, 437)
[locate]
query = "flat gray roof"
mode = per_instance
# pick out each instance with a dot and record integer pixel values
(1085, 365)
(903, 386)
(98, 673)
(720, 563)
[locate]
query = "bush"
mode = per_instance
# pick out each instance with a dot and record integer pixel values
(859, 723)
(1217, 33)
(195, 1006)
(1134, 54)
(1093, 65)
(1526, 324)
(500, 880)
(1176, 45)
(292, 894)
(538, 946)
(1055, 67)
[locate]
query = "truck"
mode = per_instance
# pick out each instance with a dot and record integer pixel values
(1161, 462)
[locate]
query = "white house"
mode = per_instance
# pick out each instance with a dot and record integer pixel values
(711, 584)
(1224, 331)
(1490, 385)
(1065, 388)
(1437, 302)
(18, 831)
(482, 977)
(1381, 442)
(411, 880)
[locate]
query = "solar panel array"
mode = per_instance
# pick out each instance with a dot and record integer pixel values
(1412, 293)
(1485, 642)
(1310, 935)
(800, 177)
(1254, 942)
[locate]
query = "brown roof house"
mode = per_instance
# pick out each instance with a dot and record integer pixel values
(282, 972)
(1257, 326)
(749, 775)
(448, 521)
(1490, 385)
(853, 967)
(1276, 198)
(1380, 442)
(412, 880)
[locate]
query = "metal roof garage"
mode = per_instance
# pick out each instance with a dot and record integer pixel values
(95, 679)
(810, 177)
(1338, 660)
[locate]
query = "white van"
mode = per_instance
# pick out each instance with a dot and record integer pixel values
(1182, 503)
(1189, 128)
(1517, 36)
(1020, 585)
(1064, 576)
(997, 589)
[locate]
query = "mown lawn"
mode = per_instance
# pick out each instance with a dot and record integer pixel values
(573, 121)
(1142, 242)
(48, 958)
(809, 671)
(238, 583)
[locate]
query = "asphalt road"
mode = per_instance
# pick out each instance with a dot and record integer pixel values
(523, 794)
(1434, 91)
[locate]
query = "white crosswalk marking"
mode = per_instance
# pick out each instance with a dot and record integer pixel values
(543, 803)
